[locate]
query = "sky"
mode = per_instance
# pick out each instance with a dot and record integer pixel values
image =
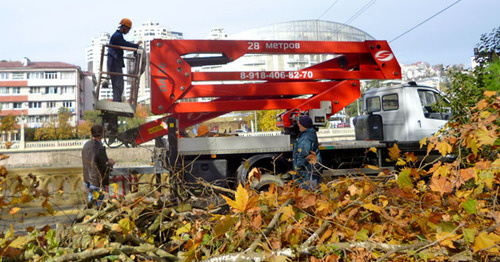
(60, 30)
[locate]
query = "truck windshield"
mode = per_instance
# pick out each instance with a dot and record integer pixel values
(434, 105)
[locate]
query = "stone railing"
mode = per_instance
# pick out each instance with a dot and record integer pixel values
(51, 145)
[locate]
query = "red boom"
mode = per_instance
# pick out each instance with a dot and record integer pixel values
(176, 87)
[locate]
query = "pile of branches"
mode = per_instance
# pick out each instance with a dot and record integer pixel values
(440, 211)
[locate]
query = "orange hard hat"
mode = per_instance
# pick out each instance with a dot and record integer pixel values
(126, 22)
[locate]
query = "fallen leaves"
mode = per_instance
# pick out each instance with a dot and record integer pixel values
(244, 199)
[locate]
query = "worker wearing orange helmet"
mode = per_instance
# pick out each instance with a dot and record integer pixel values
(116, 64)
(115, 57)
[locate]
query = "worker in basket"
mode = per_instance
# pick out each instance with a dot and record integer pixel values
(115, 65)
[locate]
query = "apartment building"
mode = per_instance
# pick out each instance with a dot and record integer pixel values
(37, 90)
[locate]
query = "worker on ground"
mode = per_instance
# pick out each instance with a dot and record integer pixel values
(116, 64)
(306, 156)
(96, 166)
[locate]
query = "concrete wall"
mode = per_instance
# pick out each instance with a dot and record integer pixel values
(73, 158)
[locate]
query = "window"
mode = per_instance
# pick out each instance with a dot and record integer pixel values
(4, 90)
(67, 75)
(4, 105)
(51, 90)
(4, 76)
(67, 90)
(35, 104)
(51, 104)
(16, 90)
(373, 104)
(68, 104)
(35, 90)
(50, 75)
(35, 75)
(390, 102)
(18, 75)
(17, 105)
(434, 105)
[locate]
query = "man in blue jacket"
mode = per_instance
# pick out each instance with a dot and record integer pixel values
(306, 144)
(115, 57)
(115, 65)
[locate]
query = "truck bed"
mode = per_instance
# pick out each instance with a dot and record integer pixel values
(258, 144)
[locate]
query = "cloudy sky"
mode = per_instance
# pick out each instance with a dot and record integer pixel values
(60, 30)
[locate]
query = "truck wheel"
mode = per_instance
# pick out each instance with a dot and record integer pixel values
(265, 181)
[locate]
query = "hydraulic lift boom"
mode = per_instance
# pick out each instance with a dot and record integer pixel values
(182, 90)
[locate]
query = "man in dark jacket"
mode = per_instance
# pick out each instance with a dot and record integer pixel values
(115, 65)
(115, 57)
(96, 165)
(304, 146)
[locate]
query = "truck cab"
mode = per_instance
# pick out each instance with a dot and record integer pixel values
(402, 113)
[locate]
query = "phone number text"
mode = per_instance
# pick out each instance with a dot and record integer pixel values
(277, 75)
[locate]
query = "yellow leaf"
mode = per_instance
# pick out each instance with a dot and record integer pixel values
(441, 171)
(496, 163)
(484, 137)
(484, 114)
(423, 142)
(95, 194)
(242, 201)
(444, 148)
(472, 144)
(115, 187)
(489, 93)
(14, 210)
(184, 229)
(400, 162)
(447, 239)
(372, 167)
(287, 213)
(126, 225)
(372, 207)
(372, 149)
(482, 104)
(10, 234)
(485, 241)
(224, 225)
(383, 200)
(19, 242)
(394, 152)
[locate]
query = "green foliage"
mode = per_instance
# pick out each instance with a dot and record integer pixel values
(467, 87)
(141, 114)
(92, 116)
(29, 134)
